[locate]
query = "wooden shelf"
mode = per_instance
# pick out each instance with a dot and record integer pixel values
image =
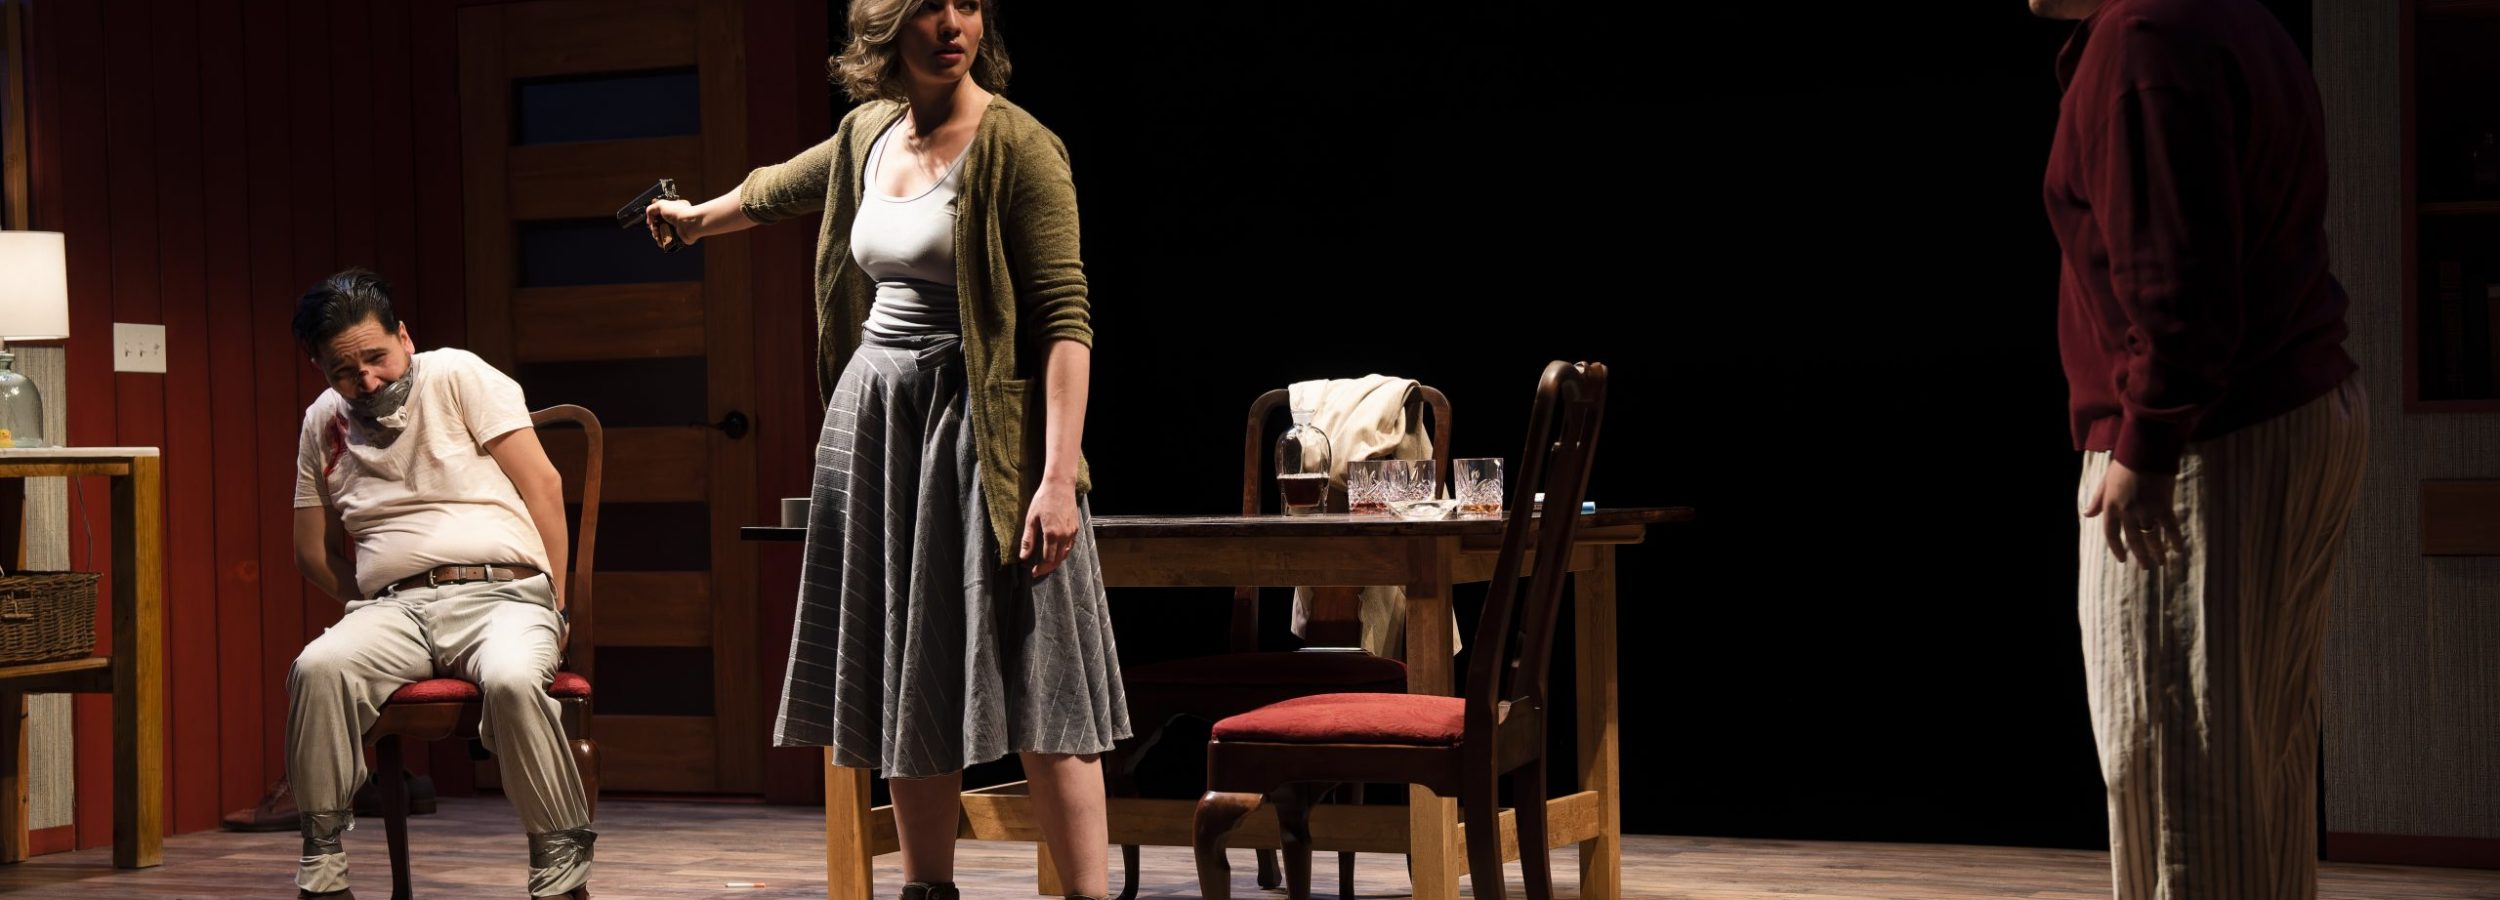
(2462, 208)
(69, 676)
(2461, 9)
(54, 668)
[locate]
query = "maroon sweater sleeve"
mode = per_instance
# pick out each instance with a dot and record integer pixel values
(2166, 175)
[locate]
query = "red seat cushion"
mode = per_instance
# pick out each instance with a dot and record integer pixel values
(1346, 670)
(568, 686)
(1412, 719)
(453, 690)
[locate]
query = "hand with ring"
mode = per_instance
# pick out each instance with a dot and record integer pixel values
(2137, 517)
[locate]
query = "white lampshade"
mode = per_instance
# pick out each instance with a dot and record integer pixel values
(34, 286)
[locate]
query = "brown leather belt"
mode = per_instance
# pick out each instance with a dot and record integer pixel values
(442, 575)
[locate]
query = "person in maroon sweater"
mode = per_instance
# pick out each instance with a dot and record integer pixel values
(2222, 427)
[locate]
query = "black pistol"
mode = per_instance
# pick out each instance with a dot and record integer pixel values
(631, 214)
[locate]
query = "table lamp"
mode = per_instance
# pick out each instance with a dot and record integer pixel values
(34, 306)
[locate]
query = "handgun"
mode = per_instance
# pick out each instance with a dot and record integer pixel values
(631, 214)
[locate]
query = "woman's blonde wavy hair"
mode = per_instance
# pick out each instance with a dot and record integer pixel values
(868, 69)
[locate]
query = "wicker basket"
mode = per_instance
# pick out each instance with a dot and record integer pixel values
(46, 616)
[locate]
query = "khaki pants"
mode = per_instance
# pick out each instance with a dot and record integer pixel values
(500, 635)
(2203, 675)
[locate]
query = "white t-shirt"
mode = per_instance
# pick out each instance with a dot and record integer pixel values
(427, 494)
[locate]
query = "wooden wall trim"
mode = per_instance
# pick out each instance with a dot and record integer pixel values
(2413, 850)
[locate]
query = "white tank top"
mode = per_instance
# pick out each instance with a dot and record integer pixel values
(907, 246)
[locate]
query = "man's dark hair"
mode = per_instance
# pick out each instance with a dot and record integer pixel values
(338, 303)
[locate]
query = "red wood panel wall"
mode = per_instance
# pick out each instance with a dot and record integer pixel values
(209, 160)
(788, 111)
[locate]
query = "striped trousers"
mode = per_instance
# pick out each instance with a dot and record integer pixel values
(2203, 674)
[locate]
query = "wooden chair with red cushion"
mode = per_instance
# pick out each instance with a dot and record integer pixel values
(1246, 678)
(440, 708)
(1292, 751)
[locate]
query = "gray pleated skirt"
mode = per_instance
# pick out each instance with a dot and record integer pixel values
(914, 651)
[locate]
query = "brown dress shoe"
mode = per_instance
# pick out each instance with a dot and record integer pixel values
(340, 894)
(579, 893)
(275, 812)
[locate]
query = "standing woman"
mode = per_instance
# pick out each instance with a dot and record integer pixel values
(951, 606)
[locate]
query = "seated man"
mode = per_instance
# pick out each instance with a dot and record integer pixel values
(427, 462)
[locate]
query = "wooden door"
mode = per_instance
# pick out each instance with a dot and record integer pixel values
(569, 109)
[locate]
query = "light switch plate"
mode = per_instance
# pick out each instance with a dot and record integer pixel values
(138, 348)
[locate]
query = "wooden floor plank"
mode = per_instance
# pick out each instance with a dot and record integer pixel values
(671, 850)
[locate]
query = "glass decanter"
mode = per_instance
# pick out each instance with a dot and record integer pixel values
(1302, 464)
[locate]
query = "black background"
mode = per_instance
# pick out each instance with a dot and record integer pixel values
(1807, 239)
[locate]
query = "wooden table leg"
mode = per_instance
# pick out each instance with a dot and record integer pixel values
(13, 522)
(1432, 821)
(850, 867)
(138, 666)
(13, 812)
(13, 806)
(1593, 634)
(1046, 873)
